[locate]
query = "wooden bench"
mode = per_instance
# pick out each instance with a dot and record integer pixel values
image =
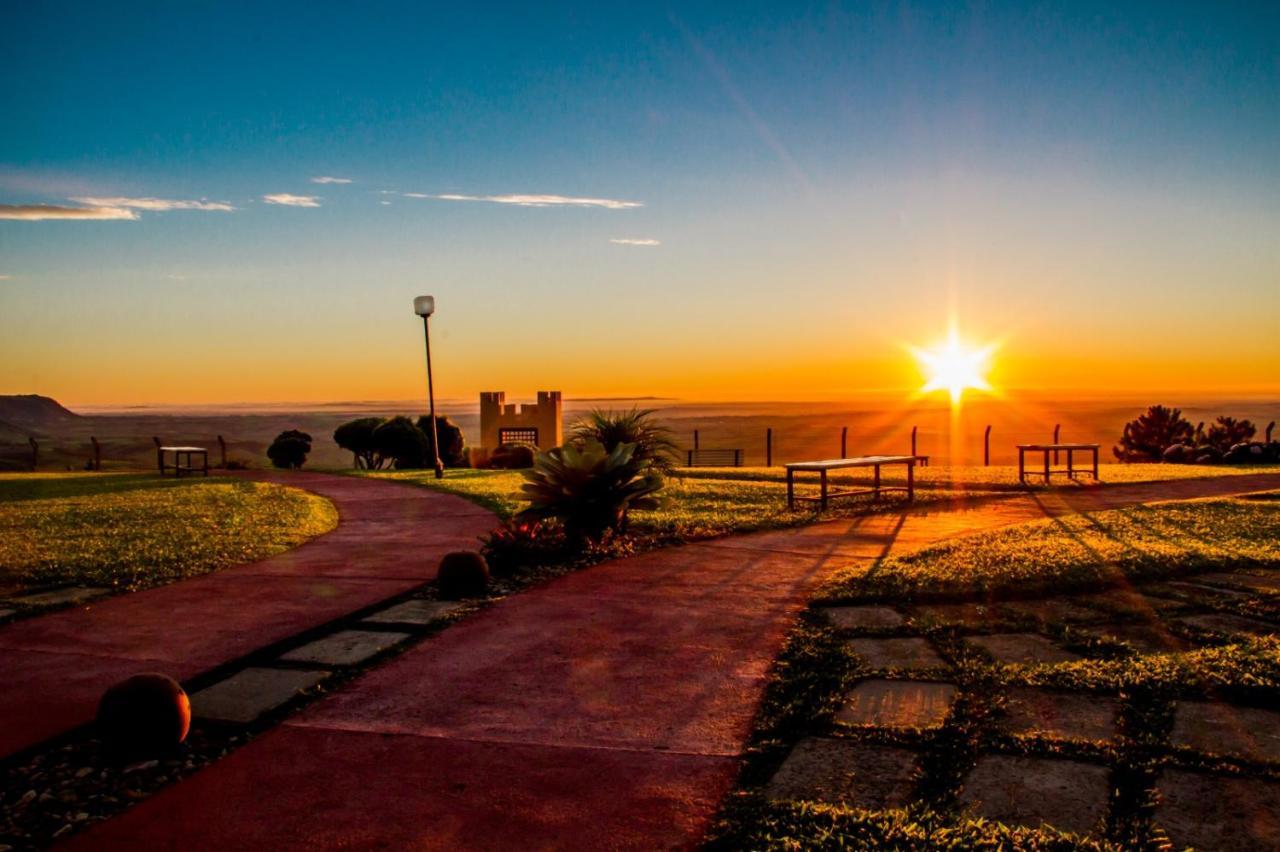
(822, 468)
(715, 458)
(1069, 449)
(181, 454)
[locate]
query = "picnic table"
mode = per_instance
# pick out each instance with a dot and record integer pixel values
(1069, 449)
(822, 468)
(181, 454)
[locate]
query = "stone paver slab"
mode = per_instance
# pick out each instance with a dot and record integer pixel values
(416, 611)
(911, 653)
(1060, 715)
(345, 648)
(248, 694)
(1129, 603)
(1219, 811)
(1022, 648)
(1054, 610)
(862, 617)
(1222, 728)
(898, 703)
(57, 597)
(1143, 636)
(1258, 582)
(1199, 592)
(966, 615)
(862, 775)
(1228, 624)
(1066, 794)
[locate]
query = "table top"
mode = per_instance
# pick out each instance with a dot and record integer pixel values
(184, 449)
(859, 461)
(1058, 446)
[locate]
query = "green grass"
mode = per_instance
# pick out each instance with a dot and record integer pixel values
(130, 531)
(1078, 551)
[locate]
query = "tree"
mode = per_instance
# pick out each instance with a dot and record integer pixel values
(289, 449)
(653, 443)
(1226, 432)
(403, 443)
(1146, 438)
(357, 438)
(453, 444)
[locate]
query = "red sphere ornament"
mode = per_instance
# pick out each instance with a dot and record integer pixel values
(144, 716)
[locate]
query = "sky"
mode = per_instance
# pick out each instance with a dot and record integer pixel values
(225, 202)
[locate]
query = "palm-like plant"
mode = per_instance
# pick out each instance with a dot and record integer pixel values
(588, 488)
(653, 442)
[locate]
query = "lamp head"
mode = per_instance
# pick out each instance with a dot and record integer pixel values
(424, 306)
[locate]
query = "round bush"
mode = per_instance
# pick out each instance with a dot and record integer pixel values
(143, 716)
(512, 457)
(462, 574)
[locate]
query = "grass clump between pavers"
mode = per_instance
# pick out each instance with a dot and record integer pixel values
(132, 531)
(1077, 552)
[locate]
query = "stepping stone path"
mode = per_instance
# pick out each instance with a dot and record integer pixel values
(1201, 592)
(848, 772)
(417, 612)
(1219, 811)
(345, 648)
(249, 693)
(965, 615)
(1227, 624)
(1223, 728)
(1059, 715)
(57, 597)
(1054, 609)
(862, 617)
(1022, 648)
(1143, 637)
(1129, 603)
(898, 703)
(1258, 582)
(909, 654)
(1067, 794)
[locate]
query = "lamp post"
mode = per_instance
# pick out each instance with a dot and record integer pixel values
(425, 306)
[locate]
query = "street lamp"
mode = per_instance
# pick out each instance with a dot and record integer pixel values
(425, 306)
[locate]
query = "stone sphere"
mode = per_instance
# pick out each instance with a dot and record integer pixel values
(144, 716)
(462, 574)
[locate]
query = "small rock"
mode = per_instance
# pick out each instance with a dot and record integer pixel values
(141, 766)
(81, 817)
(83, 771)
(62, 831)
(27, 797)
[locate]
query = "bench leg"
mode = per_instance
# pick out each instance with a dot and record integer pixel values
(791, 490)
(1046, 467)
(877, 486)
(822, 504)
(1095, 463)
(911, 483)
(1071, 470)
(1022, 466)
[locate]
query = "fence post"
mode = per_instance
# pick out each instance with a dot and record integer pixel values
(986, 447)
(97, 453)
(844, 442)
(222, 452)
(35, 452)
(1270, 426)
(768, 447)
(1056, 428)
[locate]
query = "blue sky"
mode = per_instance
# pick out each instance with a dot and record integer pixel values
(771, 164)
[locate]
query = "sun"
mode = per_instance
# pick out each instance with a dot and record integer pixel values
(955, 366)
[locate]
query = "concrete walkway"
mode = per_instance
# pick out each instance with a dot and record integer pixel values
(604, 710)
(388, 540)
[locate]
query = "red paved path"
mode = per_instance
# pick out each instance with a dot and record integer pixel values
(389, 539)
(603, 710)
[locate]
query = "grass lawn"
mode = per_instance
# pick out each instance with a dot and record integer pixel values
(130, 531)
(1077, 551)
(1137, 658)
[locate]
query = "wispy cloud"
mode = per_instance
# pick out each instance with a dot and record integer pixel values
(534, 200)
(37, 212)
(633, 241)
(290, 200)
(329, 179)
(6, 277)
(156, 204)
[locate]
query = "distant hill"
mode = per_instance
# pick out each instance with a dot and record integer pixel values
(11, 433)
(27, 411)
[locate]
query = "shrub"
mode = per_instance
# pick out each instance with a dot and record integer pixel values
(513, 456)
(1146, 438)
(653, 442)
(289, 449)
(357, 437)
(589, 489)
(519, 544)
(1226, 432)
(453, 444)
(462, 574)
(402, 443)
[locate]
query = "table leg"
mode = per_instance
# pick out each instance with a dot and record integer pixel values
(791, 489)
(1046, 467)
(877, 483)
(911, 483)
(1071, 471)
(1095, 463)
(822, 504)
(1022, 467)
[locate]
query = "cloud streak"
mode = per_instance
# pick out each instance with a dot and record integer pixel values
(329, 179)
(40, 212)
(634, 241)
(534, 200)
(155, 204)
(290, 200)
